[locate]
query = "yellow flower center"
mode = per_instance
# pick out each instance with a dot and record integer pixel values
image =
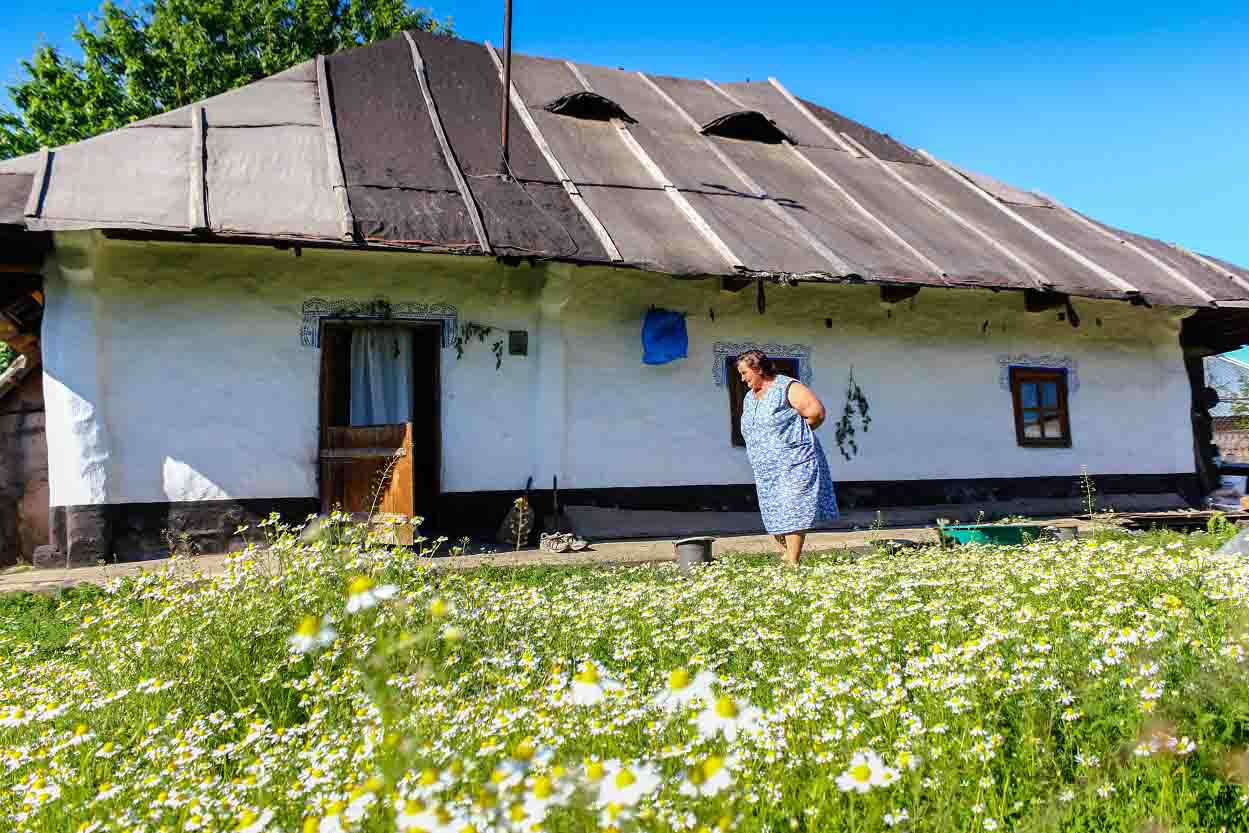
(429, 777)
(625, 778)
(312, 824)
(360, 584)
(542, 788)
(412, 807)
(861, 773)
(308, 626)
(246, 818)
(589, 675)
(726, 707)
(524, 751)
(439, 608)
(335, 808)
(518, 813)
(80, 729)
(594, 770)
(679, 679)
(712, 765)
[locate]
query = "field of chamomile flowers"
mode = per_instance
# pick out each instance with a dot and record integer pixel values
(342, 686)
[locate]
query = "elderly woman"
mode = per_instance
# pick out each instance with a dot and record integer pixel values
(779, 418)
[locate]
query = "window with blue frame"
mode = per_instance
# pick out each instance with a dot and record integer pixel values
(1040, 397)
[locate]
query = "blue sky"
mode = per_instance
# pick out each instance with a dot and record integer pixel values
(1136, 113)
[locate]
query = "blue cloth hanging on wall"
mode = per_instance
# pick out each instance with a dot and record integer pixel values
(663, 337)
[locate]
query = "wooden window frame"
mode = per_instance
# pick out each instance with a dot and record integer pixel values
(1020, 375)
(737, 392)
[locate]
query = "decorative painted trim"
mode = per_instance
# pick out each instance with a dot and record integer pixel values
(316, 309)
(724, 349)
(1006, 361)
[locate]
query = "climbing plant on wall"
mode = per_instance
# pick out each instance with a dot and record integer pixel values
(855, 409)
(470, 330)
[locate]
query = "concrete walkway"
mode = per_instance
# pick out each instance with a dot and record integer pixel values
(604, 552)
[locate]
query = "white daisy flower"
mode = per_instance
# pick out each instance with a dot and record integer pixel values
(866, 770)
(725, 715)
(710, 778)
(627, 785)
(364, 592)
(252, 822)
(311, 635)
(683, 689)
(590, 687)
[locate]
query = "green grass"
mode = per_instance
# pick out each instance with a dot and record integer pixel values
(1082, 686)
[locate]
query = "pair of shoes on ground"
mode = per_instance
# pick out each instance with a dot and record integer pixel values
(561, 542)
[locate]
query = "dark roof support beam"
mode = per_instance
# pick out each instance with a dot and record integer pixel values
(570, 187)
(836, 263)
(890, 294)
(338, 182)
(418, 66)
(197, 190)
(678, 199)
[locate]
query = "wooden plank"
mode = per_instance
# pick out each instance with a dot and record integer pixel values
(862, 209)
(1101, 271)
(39, 185)
(361, 453)
(570, 187)
(678, 199)
(821, 126)
(338, 181)
(197, 190)
(1212, 265)
(372, 483)
(1171, 272)
(418, 65)
(838, 265)
(1037, 277)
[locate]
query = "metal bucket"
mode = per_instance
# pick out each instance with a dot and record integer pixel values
(693, 551)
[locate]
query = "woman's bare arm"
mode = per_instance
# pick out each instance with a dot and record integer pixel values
(807, 404)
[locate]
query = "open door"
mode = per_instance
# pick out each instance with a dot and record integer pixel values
(379, 449)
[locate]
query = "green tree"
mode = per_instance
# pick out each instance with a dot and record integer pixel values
(170, 53)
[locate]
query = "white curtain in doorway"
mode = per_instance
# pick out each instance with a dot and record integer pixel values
(381, 375)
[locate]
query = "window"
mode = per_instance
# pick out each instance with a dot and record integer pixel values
(1040, 398)
(737, 392)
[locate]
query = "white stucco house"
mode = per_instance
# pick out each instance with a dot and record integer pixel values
(249, 304)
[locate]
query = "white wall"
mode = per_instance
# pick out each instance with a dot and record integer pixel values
(176, 373)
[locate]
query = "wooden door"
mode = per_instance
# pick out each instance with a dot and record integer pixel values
(368, 472)
(391, 471)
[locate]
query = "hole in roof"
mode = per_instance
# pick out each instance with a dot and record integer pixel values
(587, 105)
(750, 125)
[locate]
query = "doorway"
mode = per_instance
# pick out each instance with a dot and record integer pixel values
(380, 439)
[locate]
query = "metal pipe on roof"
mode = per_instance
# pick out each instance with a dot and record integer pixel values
(507, 79)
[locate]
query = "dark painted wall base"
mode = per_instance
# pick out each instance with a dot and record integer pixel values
(85, 535)
(481, 512)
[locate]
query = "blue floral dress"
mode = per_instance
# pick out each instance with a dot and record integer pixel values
(791, 472)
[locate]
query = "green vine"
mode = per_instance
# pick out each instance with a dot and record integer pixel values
(470, 330)
(855, 401)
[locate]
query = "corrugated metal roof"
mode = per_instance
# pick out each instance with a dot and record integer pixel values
(397, 144)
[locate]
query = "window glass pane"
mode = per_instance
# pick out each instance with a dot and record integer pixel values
(1049, 394)
(1028, 394)
(1053, 427)
(1032, 424)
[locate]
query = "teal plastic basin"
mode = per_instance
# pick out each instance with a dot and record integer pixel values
(1003, 534)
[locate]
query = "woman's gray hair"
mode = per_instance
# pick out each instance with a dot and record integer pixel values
(758, 361)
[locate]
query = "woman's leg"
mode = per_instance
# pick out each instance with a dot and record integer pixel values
(780, 544)
(793, 548)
